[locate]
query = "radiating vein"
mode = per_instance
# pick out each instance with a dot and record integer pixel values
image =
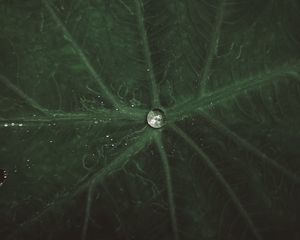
(188, 108)
(213, 46)
(147, 53)
(87, 210)
(222, 181)
(105, 91)
(251, 148)
(83, 118)
(23, 95)
(168, 176)
(96, 177)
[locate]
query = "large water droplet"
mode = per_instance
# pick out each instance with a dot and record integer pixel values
(156, 118)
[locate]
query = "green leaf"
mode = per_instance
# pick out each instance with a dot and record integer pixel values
(78, 159)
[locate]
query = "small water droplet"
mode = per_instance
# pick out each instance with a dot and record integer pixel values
(5, 125)
(28, 165)
(107, 136)
(156, 118)
(13, 124)
(3, 176)
(90, 161)
(148, 69)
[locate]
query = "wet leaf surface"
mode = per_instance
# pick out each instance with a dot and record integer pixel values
(218, 155)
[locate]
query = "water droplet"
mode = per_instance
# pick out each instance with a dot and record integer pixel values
(156, 118)
(13, 124)
(5, 125)
(3, 176)
(28, 165)
(107, 136)
(90, 161)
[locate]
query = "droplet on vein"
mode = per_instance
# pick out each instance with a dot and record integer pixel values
(156, 118)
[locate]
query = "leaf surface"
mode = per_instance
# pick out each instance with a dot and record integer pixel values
(77, 79)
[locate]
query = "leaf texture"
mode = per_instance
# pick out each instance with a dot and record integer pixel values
(77, 80)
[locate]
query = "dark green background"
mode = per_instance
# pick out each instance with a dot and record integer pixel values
(77, 79)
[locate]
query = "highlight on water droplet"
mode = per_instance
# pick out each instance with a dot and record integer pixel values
(156, 118)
